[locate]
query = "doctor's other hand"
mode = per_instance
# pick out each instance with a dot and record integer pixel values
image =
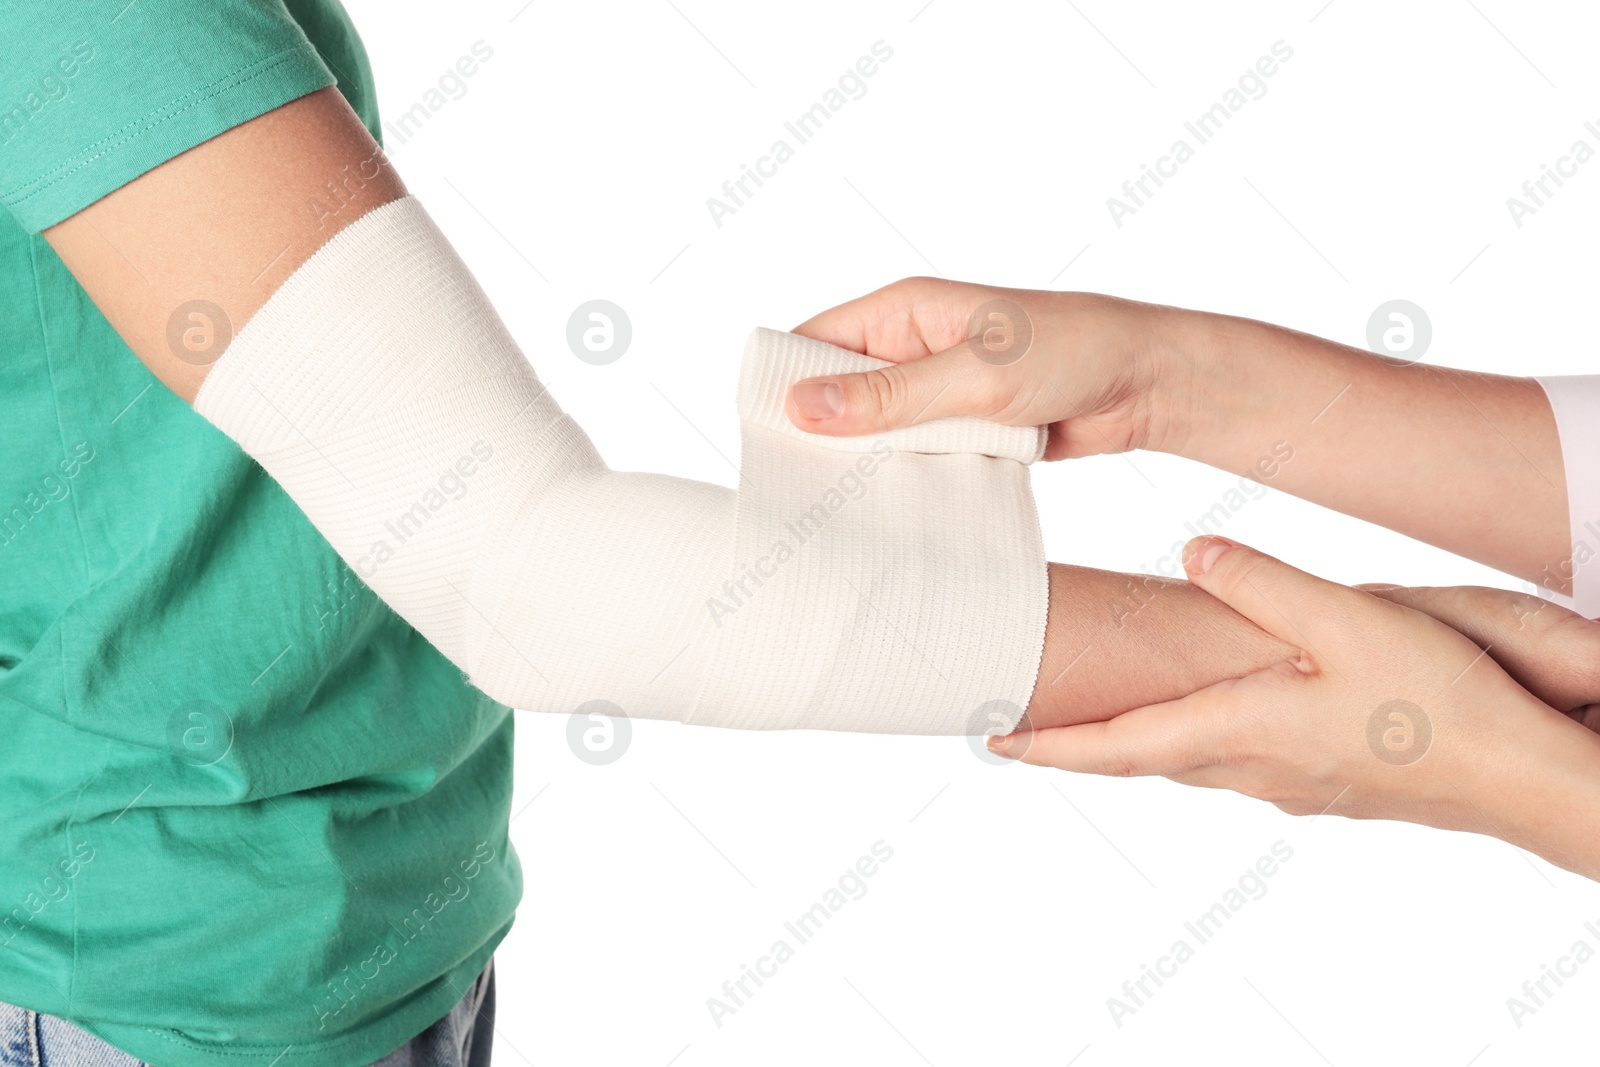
(1550, 651)
(1095, 369)
(1387, 713)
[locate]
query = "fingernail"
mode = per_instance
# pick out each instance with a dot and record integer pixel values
(1000, 745)
(819, 400)
(1202, 552)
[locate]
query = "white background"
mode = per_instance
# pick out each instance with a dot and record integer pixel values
(577, 166)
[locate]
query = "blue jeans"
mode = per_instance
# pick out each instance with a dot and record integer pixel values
(462, 1038)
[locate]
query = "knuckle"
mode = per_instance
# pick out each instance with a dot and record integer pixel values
(1296, 806)
(1229, 740)
(913, 286)
(1117, 759)
(1289, 796)
(1119, 765)
(986, 392)
(1238, 570)
(885, 390)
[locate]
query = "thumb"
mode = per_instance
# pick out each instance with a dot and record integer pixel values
(1166, 739)
(1295, 607)
(901, 394)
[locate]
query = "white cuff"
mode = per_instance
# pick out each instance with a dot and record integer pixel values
(1575, 400)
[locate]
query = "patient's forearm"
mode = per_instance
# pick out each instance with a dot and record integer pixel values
(1120, 641)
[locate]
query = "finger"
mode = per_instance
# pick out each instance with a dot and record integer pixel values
(951, 382)
(1295, 607)
(859, 325)
(1161, 739)
(1550, 651)
(899, 322)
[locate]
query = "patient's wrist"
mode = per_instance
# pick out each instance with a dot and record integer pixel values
(1115, 642)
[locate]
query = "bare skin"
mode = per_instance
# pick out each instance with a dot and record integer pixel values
(1386, 714)
(225, 222)
(1469, 462)
(228, 221)
(1114, 639)
(1551, 652)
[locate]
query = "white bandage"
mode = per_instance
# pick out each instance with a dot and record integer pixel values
(892, 584)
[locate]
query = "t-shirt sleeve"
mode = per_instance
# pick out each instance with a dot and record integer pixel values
(1576, 402)
(92, 95)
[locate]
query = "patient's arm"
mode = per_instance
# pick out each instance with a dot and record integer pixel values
(260, 199)
(1116, 642)
(225, 222)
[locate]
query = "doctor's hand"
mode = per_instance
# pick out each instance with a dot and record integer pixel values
(1386, 713)
(1374, 436)
(1094, 368)
(1550, 651)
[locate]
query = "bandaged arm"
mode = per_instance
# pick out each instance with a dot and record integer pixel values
(895, 585)
(531, 624)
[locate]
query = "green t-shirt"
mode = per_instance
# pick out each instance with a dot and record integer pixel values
(247, 814)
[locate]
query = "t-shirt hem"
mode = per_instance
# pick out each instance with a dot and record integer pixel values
(145, 143)
(364, 1044)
